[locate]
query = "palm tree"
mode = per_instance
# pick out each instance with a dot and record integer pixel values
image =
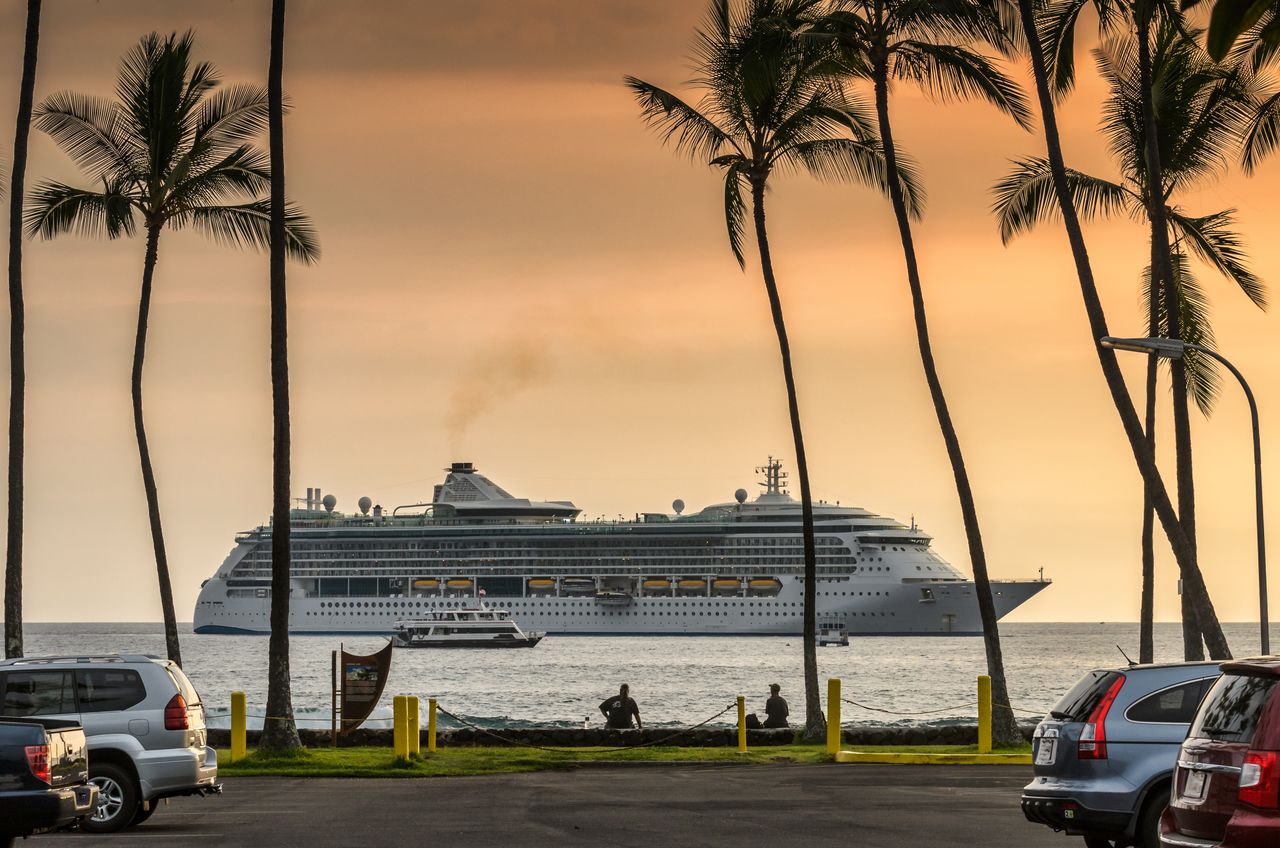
(1058, 33)
(1059, 191)
(172, 151)
(1204, 109)
(923, 42)
(1231, 19)
(278, 730)
(772, 102)
(17, 344)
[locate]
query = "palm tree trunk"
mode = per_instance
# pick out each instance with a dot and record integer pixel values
(144, 454)
(1098, 325)
(279, 730)
(1005, 726)
(1198, 615)
(17, 344)
(815, 723)
(1146, 618)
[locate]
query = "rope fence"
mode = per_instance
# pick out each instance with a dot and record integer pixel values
(969, 705)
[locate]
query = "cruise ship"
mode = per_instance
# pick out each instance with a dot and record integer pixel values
(730, 568)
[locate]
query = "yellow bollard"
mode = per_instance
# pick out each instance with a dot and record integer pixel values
(431, 725)
(833, 715)
(415, 729)
(742, 725)
(400, 726)
(239, 745)
(984, 714)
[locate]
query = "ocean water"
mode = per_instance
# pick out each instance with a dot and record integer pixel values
(677, 680)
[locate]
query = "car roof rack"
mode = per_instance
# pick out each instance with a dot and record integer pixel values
(82, 658)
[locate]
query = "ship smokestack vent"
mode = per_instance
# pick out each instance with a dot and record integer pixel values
(462, 468)
(311, 497)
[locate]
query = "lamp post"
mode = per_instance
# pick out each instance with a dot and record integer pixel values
(1175, 349)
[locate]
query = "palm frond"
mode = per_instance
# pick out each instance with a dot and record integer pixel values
(1026, 197)
(690, 132)
(90, 130)
(54, 209)
(735, 208)
(1195, 326)
(1056, 24)
(249, 225)
(243, 173)
(1262, 133)
(1214, 239)
(951, 72)
(231, 115)
(860, 162)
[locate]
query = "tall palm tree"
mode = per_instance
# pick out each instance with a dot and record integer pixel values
(1204, 110)
(924, 42)
(1059, 190)
(17, 343)
(772, 102)
(171, 151)
(279, 731)
(1058, 33)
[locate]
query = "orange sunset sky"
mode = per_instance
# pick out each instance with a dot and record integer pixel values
(517, 273)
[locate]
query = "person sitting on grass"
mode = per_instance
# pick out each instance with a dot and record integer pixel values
(776, 708)
(620, 709)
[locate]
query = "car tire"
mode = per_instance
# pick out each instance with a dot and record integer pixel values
(117, 799)
(144, 812)
(7, 840)
(1148, 835)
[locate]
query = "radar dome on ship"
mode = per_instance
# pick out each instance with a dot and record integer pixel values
(677, 506)
(329, 502)
(364, 503)
(740, 496)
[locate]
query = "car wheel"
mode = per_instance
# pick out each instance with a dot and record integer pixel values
(1149, 826)
(117, 799)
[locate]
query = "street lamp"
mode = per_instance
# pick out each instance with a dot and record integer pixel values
(1175, 349)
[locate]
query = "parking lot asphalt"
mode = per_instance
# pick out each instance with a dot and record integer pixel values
(862, 805)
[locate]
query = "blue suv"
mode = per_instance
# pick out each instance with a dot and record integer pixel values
(1104, 756)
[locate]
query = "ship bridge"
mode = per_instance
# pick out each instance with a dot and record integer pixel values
(467, 493)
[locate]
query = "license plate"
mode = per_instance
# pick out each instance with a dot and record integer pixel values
(1047, 752)
(1194, 788)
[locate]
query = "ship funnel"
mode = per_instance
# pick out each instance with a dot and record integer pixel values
(318, 501)
(311, 495)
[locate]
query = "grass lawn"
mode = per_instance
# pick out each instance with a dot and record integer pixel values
(451, 762)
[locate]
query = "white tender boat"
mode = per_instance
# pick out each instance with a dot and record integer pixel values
(478, 627)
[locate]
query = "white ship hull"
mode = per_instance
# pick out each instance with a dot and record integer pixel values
(872, 609)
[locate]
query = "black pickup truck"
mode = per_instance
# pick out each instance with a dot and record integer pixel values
(44, 769)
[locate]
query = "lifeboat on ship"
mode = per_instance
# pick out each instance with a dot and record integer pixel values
(764, 585)
(541, 584)
(656, 585)
(459, 584)
(578, 586)
(726, 586)
(426, 584)
(692, 584)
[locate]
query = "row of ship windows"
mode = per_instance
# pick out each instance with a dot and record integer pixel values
(468, 603)
(641, 612)
(474, 544)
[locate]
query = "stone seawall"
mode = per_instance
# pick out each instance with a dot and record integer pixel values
(564, 737)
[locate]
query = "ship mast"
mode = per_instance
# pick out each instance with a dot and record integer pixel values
(774, 477)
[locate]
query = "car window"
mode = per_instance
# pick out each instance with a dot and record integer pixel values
(1084, 696)
(1175, 705)
(36, 693)
(103, 689)
(184, 686)
(1231, 709)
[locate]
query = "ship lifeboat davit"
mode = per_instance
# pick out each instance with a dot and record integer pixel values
(456, 583)
(764, 585)
(578, 586)
(541, 584)
(692, 584)
(727, 586)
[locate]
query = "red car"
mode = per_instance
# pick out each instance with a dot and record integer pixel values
(1226, 790)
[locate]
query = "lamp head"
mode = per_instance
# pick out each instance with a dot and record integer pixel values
(1165, 348)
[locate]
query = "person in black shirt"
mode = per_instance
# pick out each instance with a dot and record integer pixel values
(619, 710)
(776, 708)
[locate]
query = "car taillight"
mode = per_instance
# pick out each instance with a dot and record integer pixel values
(38, 761)
(1260, 779)
(175, 714)
(1093, 738)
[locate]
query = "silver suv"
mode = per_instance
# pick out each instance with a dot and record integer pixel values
(143, 720)
(1104, 756)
